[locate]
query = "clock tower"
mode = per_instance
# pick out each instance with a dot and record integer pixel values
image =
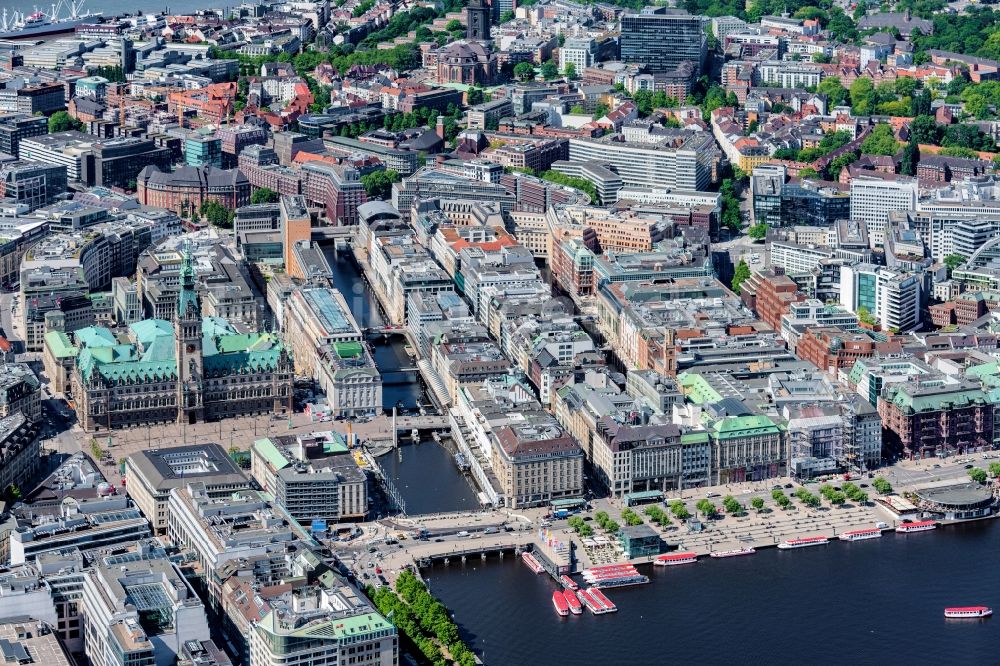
(477, 21)
(187, 337)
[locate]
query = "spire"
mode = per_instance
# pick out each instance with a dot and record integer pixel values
(187, 301)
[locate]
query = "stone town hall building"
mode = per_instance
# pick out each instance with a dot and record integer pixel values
(191, 370)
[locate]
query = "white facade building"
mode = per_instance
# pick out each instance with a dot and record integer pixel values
(872, 199)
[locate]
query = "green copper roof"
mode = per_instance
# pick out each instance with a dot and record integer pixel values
(694, 437)
(223, 354)
(269, 452)
(907, 402)
(95, 336)
(347, 349)
(60, 345)
(160, 349)
(732, 427)
(216, 326)
(147, 330)
(335, 629)
(696, 389)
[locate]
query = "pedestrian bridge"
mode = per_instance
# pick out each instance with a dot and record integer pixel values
(333, 233)
(429, 422)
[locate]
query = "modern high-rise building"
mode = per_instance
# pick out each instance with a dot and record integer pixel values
(33, 184)
(581, 51)
(872, 199)
(17, 126)
(685, 165)
(663, 38)
(296, 225)
(891, 297)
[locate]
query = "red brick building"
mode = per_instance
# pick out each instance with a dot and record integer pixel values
(921, 418)
(769, 293)
(186, 189)
(338, 188)
(830, 348)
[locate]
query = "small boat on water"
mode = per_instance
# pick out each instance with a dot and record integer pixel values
(861, 535)
(532, 563)
(614, 575)
(568, 582)
(673, 559)
(968, 612)
(559, 602)
(804, 542)
(733, 553)
(919, 526)
(575, 607)
(603, 600)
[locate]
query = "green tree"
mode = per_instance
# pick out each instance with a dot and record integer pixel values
(581, 184)
(925, 129)
(570, 70)
(12, 493)
(994, 470)
(474, 96)
(838, 163)
(216, 214)
(680, 511)
(60, 121)
(549, 70)
(741, 275)
(264, 195)
(977, 474)
(577, 110)
(454, 25)
(865, 316)
(836, 93)
(840, 25)
(808, 172)
(601, 110)
(908, 162)
(757, 503)
(378, 184)
(863, 98)
(506, 17)
(730, 205)
(921, 102)
(524, 71)
(706, 508)
(953, 261)
(882, 486)
(631, 518)
(732, 505)
(959, 151)
(757, 231)
(881, 141)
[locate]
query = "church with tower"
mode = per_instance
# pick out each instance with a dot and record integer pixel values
(471, 61)
(189, 370)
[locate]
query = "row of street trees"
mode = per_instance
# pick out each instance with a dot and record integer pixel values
(423, 620)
